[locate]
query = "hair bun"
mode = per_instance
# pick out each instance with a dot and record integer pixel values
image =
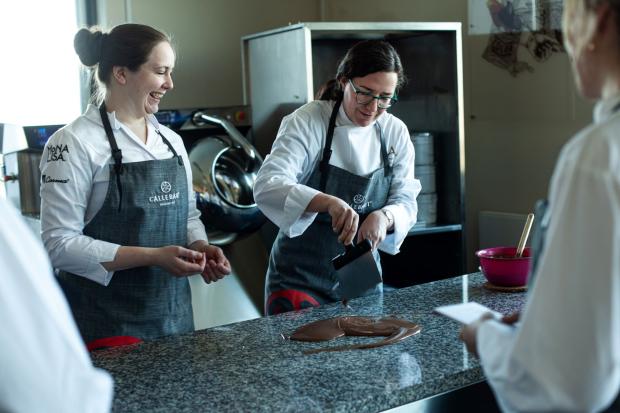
(88, 45)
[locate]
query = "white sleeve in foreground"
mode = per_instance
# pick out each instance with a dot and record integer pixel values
(45, 366)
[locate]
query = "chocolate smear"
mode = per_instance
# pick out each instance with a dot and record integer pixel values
(393, 329)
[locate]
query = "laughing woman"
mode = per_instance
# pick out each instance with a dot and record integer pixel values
(118, 217)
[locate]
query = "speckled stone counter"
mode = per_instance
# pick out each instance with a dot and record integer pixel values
(248, 366)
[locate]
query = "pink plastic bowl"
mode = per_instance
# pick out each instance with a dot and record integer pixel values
(501, 267)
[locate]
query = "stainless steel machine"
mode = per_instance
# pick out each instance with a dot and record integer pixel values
(224, 166)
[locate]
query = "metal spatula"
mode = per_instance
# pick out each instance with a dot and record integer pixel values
(357, 270)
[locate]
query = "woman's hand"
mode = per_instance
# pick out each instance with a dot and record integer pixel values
(179, 261)
(344, 220)
(216, 264)
(374, 228)
(468, 333)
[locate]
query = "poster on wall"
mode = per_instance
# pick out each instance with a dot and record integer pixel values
(521, 32)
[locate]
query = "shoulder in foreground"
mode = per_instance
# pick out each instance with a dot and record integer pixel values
(596, 146)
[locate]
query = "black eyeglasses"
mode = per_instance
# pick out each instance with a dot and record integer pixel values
(363, 98)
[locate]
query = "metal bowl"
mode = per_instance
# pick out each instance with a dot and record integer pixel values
(223, 179)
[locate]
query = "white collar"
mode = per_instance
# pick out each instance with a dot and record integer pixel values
(605, 108)
(343, 119)
(92, 113)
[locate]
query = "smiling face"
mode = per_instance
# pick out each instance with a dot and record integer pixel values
(153, 79)
(379, 84)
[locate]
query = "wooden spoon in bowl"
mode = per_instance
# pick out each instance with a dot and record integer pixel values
(525, 234)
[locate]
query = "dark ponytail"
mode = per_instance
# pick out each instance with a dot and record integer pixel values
(127, 45)
(364, 58)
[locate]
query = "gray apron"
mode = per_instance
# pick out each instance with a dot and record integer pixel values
(300, 272)
(148, 208)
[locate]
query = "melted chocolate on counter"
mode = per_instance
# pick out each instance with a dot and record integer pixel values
(393, 329)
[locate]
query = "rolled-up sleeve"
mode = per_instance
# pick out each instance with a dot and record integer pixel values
(67, 179)
(404, 189)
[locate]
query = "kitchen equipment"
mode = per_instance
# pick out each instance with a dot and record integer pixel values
(525, 234)
(12, 139)
(357, 270)
(224, 167)
(423, 146)
(502, 267)
(21, 169)
(425, 171)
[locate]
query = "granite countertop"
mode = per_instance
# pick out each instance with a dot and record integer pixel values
(248, 366)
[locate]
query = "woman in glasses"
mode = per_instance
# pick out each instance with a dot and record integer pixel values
(340, 171)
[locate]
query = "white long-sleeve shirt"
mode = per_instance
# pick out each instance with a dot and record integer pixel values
(44, 366)
(565, 353)
(281, 191)
(75, 179)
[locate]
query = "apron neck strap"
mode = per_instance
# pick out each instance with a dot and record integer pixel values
(387, 164)
(327, 150)
(117, 154)
(167, 142)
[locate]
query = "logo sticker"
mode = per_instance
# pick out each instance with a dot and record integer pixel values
(360, 203)
(165, 187)
(57, 153)
(48, 180)
(391, 156)
(166, 197)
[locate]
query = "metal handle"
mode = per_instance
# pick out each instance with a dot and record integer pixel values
(200, 118)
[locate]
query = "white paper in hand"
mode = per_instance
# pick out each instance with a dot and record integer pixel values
(466, 312)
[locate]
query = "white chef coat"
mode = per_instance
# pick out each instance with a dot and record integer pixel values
(76, 159)
(565, 354)
(44, 366)
(280, 189)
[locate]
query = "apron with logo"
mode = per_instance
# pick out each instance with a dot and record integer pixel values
(300, 272)
(146, 206)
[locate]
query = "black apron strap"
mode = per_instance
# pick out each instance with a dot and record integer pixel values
(117, 154)
(327, 150)
(387, 165)
(167, 142)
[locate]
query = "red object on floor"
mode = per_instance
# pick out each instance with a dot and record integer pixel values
(289, 300)
(115, 341)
